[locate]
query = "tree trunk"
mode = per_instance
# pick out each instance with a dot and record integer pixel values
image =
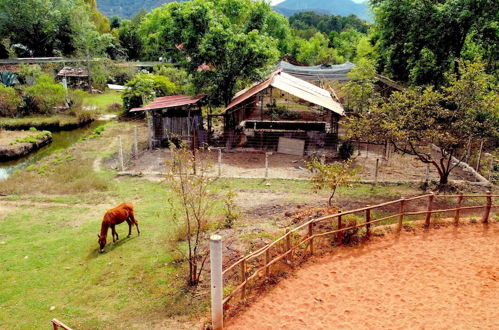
(444, 179)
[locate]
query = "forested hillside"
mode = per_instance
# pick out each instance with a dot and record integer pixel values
(334, 7)
(128, 8)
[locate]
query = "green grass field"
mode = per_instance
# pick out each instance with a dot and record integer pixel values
(50, 265)
(102, 101)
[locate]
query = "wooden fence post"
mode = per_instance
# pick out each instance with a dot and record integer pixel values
(376, 172)
(368, 220)
(267, 154)
(477, 168)
(458, 208)
(401, 217)
(488, 206)
(267, 261)
(288, 246)
(243, 276)
(217, 315)
(310, 234)
(219, 162)
(149, 131)
(135, 143)
(430, 207)
(340, 234)
(120, 154)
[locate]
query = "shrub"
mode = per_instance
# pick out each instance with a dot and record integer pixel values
(44, 96)
(121, 74)
(281, 112)
(29, 74)
(76, 98)
(231, 212)
(10, 101)
(176, 75)
(346, 150)
(144, 88)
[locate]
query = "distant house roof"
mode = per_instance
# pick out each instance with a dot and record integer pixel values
(294, 86)
(338, 72)
(318, 72)
(170, 102)
(73, 71)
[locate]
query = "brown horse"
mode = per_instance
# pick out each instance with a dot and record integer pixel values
(113, 217)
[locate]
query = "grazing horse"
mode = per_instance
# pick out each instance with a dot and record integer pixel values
(113, 217)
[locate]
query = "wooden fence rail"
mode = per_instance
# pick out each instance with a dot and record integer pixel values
(59, 325)
(302, 239)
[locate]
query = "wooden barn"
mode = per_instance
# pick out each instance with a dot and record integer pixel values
(175, 118)
(282, 112)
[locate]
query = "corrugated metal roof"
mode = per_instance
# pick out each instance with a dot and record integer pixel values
(73, 71)
(172, 101)
(294, 86)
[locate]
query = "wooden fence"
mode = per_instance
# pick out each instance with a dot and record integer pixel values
(301, 242)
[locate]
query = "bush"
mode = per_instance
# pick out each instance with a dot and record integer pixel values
(144, 88)
(346, 150)
(44, 96)
(281, 112)
(177, 76)
(76, 98)
(29, 74)
(10, 101)
(121, 74)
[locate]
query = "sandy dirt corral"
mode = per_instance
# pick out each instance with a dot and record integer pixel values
(446, 278)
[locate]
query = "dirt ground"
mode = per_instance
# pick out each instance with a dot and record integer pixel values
(393, 283)
(7, 137)
(251, 164)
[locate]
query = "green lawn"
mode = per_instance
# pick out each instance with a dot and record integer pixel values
(102, 101)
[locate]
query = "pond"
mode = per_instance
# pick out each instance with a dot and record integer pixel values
(60, 140)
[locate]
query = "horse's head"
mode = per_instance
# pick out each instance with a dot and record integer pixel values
(102, 242)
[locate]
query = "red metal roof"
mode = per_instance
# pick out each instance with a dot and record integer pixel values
(170, 102)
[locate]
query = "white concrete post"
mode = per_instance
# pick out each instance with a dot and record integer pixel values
(267, 164)
(217, 317)
(219, 162)
(120, 154)
(135, 143)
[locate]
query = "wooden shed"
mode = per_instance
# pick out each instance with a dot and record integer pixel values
(279, 108)
(175, 118)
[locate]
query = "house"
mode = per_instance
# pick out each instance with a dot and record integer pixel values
(175, 118)
(282, 109)
(76, 77)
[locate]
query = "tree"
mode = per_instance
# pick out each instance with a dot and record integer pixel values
(234, 38)
(360, 90)
(419, 40)
(190, 206)
(331, 176)
(436, 126)
(130, 39)
(48, 27)
(143, 88)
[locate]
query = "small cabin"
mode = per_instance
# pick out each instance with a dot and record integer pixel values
(76, 77)
(175, 118)
(280, 110)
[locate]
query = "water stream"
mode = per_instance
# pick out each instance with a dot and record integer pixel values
(60, 140)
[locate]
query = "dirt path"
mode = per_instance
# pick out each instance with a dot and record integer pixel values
(445, 278)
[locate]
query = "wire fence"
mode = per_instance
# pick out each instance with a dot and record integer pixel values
(325, 233)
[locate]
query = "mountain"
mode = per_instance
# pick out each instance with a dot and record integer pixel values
(128, 8)
(332, 7)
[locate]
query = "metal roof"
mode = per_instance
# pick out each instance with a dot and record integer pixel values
(294, 86)
(73, 71)
(170, 102)
(318, 72)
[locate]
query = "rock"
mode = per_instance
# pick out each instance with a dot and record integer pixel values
(288, 214)
(3, 243)
(52, 308)
(26, 257)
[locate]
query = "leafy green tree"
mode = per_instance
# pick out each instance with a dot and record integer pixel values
(360, 91)
(237, 39)
(331, 176)
(144, 88)
(436, 126)
(130, 40)
(316, 51)
(419, 41)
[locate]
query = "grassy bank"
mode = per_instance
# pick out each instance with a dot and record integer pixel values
(103, 102)
(55, 122)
